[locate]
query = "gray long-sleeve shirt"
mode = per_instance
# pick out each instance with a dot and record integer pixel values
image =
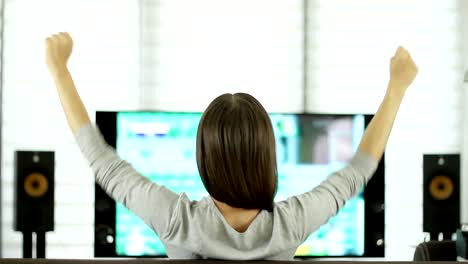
(197, 229)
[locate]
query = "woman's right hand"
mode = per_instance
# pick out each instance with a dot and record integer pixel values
(403, 70)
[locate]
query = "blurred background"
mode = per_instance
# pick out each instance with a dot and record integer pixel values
(319, 56)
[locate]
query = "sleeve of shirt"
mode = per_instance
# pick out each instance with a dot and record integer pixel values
(314, 208)
(151, 202)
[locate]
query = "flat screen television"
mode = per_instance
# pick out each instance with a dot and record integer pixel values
(161, 146)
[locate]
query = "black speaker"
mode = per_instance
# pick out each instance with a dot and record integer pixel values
(104, 205)
(441, 195)
(34, 191)
(374, 209)
(104, 224)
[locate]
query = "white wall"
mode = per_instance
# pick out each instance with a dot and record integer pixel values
(200, 49)
(464, 167)
(104, 64)
(352, 44)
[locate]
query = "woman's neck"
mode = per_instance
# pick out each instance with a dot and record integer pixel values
(238, 218)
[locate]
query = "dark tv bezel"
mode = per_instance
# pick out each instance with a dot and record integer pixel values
(105, 208)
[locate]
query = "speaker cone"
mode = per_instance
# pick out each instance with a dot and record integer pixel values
(441, 187)
(36, 184)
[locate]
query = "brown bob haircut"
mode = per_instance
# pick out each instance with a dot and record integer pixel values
(236, 153)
